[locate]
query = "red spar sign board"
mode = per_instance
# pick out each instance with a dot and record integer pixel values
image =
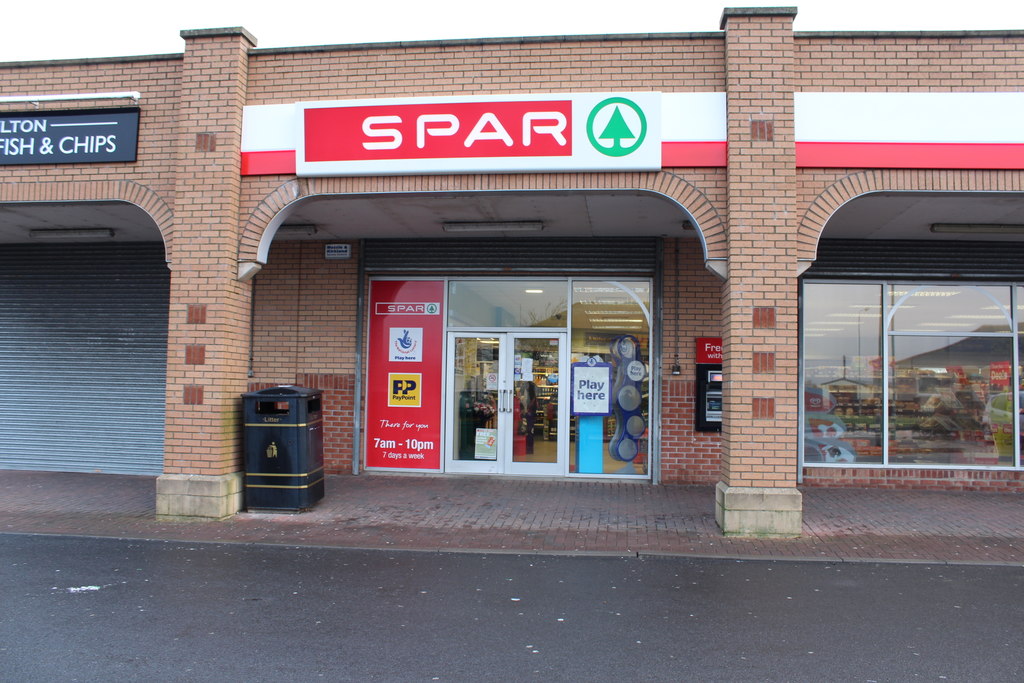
(404, 379)
(511, 133)
(455, 130)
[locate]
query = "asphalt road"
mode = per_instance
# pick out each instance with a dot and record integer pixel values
(83, 609)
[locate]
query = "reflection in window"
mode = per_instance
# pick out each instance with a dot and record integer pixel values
(942, 392)
(842, 373)
(611, 324)
(503, 303)
(946, 401)
(963, 310)
(1003, 408)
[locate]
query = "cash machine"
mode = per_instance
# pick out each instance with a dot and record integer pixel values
(708, 408)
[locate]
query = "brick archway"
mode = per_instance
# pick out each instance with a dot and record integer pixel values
(829, 200)
(709, 224)
(97, 191)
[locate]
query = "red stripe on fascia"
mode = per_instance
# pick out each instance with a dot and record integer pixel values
(694, 154)
(268, 163)
(909, 155)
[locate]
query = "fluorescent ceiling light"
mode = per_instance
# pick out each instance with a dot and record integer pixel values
(979, 228)
(978, 316)
(533, 291)
(71, 234)
(494, 226)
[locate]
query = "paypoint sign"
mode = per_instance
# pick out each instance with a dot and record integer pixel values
(513, 133)
(405, 389)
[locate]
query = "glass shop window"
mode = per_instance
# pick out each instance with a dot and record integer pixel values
(950, 357)
(611, 329)
(507, 303)
(842, 373)
(909, 374)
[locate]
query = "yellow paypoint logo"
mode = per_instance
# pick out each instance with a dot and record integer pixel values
(404, 389)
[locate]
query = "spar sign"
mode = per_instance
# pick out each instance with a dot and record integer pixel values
(404, 378)
(512, 133)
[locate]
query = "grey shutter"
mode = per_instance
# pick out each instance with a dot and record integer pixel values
(83, 345)
(504, 256)
(913, 259)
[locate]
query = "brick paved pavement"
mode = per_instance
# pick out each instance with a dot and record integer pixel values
(510, 515)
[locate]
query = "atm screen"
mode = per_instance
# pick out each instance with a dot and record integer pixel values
(714, 375)
(713, 406)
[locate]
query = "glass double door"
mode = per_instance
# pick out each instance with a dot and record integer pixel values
(504, 403)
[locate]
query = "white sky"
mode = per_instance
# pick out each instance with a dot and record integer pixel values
(105, 28)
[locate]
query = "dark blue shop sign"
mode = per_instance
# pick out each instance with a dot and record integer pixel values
(73, 137)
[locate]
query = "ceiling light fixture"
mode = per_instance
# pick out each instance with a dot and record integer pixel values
(979, 228)
(71, 234)
(493, 226)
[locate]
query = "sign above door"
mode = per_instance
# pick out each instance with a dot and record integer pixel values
(515, 133)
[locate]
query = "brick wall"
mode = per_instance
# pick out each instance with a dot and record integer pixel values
(982, 61)
(304, 332)
(209, 307)
(691, 307)
(914, 478)
(158, 79)
(305, 313)
(760, 410)
(692, 62)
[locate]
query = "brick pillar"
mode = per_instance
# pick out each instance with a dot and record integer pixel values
(757, 493)
(208, 340)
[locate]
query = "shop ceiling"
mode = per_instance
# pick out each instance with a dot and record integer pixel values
(563, 214)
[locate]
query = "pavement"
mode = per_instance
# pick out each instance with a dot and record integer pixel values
(488, 514)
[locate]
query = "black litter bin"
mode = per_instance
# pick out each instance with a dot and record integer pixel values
(284, 454)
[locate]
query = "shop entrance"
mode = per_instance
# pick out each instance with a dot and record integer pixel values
(504, 403)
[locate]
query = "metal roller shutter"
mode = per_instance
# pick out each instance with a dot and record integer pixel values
(503, 256)
(83, 345)
(897, 259)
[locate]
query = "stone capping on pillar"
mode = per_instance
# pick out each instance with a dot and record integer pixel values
(198, 496)
(218, 32)
(755, 12)
(762, 512)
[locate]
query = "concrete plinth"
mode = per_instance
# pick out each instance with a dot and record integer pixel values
(198, 496)
(760, 512)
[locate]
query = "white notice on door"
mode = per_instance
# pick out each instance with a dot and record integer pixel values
(486, 444)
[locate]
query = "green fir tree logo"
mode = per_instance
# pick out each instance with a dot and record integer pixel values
(609, 131)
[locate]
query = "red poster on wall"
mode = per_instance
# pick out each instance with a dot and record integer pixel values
(709, 350)
(404, 379)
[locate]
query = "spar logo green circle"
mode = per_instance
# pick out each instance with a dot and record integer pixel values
(617, 127)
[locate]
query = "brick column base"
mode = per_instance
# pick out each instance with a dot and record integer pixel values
(198, 496)
(758, 511)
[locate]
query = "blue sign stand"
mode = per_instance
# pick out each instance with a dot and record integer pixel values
(590, 444)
